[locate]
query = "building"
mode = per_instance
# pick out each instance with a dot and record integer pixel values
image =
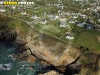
(34, 17)
(62, 23)
(83, 16)
(43, 13)
(74, 16)
(80, 24)
(43, 21)
(97, 28)
(69, 36)
(23, 13)
(88, 26)
(60, 12)
(13, 7)
(71, 21)
(98, 20)
(53, 17)
(2, 10)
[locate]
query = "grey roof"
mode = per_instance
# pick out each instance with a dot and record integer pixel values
(62, 23)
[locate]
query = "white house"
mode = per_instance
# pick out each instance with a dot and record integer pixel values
(68, 26)
(68, 13)
(13, 7)
(62, 18)
(43, 13)
(69, 37)
(84, 16)
(62, 23)
(79, 24)
(74, 16)
(34, 17)
(71, 21)
(2, 10)
(99, 20)
(23, 13)
(53, 17)
(43, 21)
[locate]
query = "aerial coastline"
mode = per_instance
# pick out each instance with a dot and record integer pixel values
(67, 41)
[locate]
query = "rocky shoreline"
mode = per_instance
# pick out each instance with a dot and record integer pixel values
(28, 52)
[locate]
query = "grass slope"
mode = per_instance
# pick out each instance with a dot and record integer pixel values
(88, 40)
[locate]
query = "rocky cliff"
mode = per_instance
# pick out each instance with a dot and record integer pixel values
(67, 60)
(8, 35)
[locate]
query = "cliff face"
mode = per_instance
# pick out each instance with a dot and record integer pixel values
(71, 60)
(62, 58)
(42, 52)
(25, 56)
(27, 47)
(8, 35)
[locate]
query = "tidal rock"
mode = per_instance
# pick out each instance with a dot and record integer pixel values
(31, 68)
(44, 63)
(25, 53)
(18, 56)
(28, 52)
(31, 59)
(20, 41)
(23, 48)
(8, 35)
(51, 73)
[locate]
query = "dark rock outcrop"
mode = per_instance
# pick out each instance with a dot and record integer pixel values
(8, 35)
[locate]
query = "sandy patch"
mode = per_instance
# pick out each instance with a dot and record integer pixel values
(98, 38)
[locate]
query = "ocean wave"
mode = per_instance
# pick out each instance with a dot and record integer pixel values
(20, 69)
(12, 57)
(5, 67)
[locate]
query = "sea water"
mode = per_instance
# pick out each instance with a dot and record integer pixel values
(18, 68)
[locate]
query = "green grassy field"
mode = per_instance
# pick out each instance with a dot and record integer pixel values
(88, 40)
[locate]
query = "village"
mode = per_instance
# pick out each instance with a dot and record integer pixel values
(67, 21)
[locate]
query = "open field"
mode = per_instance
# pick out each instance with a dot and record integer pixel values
(88, 40)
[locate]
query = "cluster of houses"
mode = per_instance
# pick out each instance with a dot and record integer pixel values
(59, 5)
(62, 18)
(63, 22)
(88, 26)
